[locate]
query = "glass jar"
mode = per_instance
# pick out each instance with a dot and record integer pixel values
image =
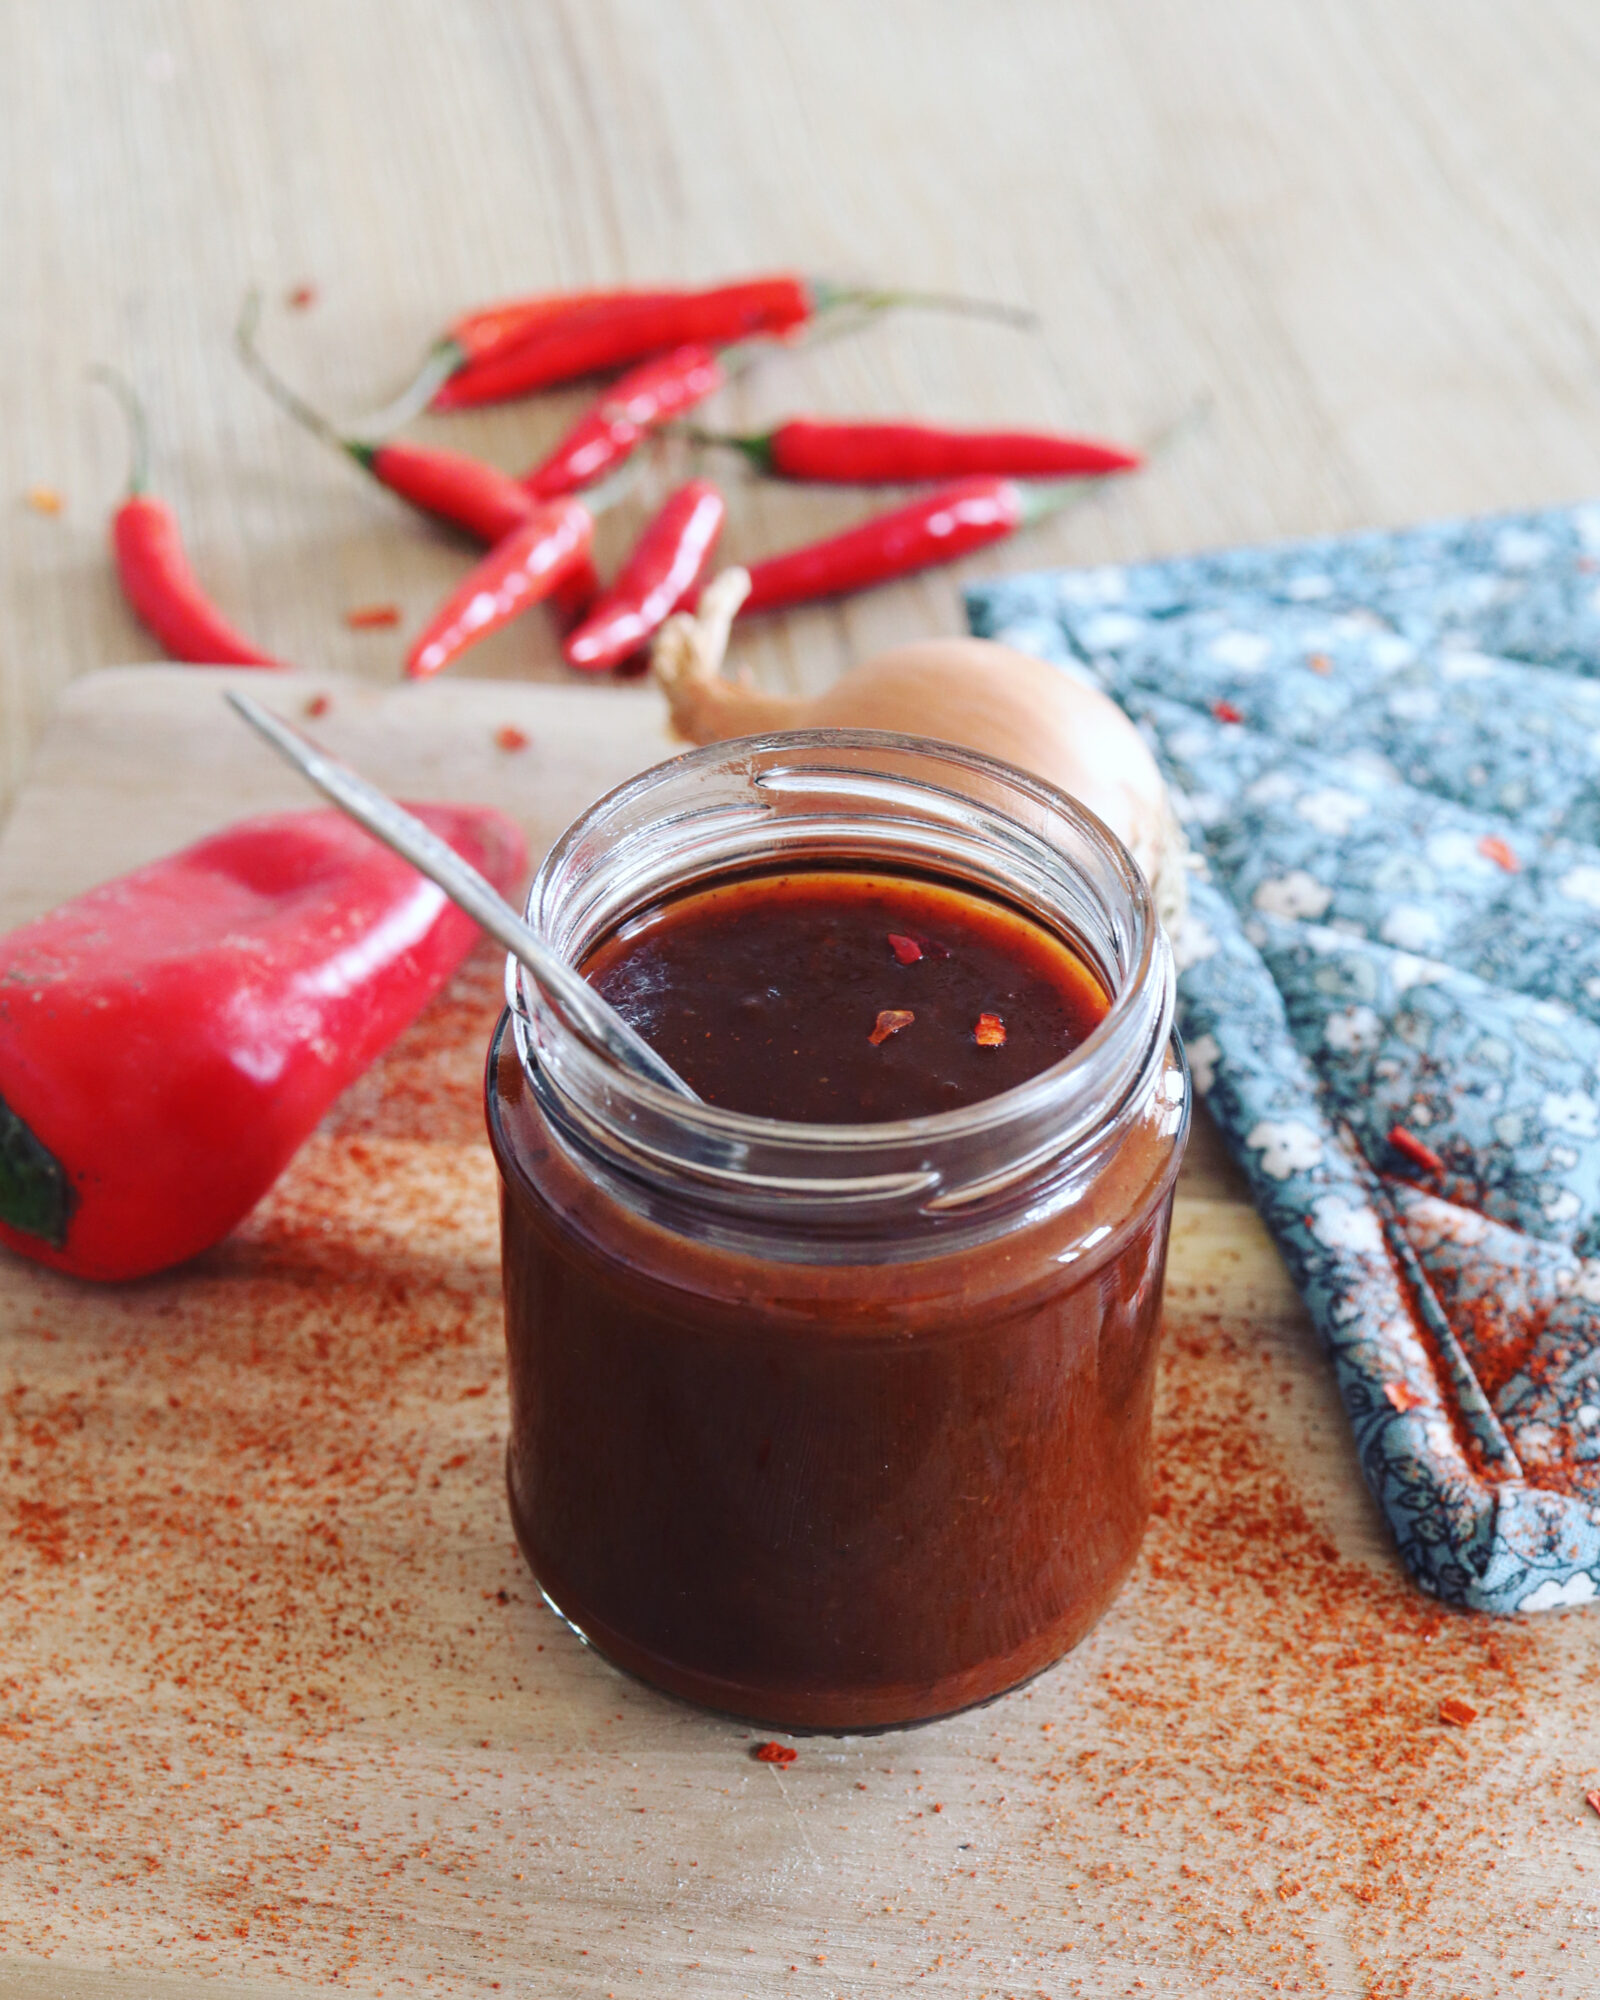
(836, 1426)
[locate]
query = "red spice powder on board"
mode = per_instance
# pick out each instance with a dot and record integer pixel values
(229, 1532)
(276, 1701)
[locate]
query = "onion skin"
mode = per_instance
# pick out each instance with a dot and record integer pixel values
(969, 692)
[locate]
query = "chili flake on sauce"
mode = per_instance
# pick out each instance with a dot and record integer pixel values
(773, 995)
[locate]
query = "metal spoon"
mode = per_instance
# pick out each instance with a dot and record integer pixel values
(466, 888)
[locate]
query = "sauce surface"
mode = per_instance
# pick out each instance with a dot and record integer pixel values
(835, 997)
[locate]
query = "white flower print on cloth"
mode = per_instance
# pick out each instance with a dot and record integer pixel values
(1284, 1149)
(1352, 1031)
(1296, 894)
(1346, 1225)
(1203, 1054)
(1553, 1596)
(1397, 1008)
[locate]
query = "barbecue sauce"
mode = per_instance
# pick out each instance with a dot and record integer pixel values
(840, 998)
(808, 1484)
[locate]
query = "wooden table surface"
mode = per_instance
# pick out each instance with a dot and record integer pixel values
(1368, 231)
(1369, 235)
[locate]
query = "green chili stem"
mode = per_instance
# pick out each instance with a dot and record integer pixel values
(288, 399)
(138, 426)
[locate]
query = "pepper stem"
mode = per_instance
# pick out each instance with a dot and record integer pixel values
(287, 399)
(441, 361)
(756, 445)
(138, 426)
(827, 297)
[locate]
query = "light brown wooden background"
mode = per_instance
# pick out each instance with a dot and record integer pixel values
(1369, 232)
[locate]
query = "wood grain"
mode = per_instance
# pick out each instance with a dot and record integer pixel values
(280, 1707)
(1368, 232)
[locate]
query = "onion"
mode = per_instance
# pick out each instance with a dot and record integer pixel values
(970, 692)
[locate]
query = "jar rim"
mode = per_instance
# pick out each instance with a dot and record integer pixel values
(893, 799)
(968, 1118)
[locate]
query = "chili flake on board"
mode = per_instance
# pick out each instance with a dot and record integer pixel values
(510, 737)
(372, 617)
(773, 1753)
(1453, 1709)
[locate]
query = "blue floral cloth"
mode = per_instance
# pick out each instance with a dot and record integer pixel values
(1385, 748)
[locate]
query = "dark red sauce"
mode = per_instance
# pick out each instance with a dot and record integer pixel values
(835, 998)
(808, 1486)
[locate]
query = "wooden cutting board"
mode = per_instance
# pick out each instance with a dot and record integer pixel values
(279, 1706)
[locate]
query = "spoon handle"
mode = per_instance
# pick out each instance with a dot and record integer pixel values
(461, 882)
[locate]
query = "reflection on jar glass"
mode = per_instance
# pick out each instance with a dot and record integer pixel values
(837, 1425)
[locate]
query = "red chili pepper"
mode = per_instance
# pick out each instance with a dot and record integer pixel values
(480, 499)
(664, 571)
(574, 596)
(518, 571)
(936, 529)
(1411, 1148)
(491, 329)
(525, 345)
(169, 1040)
(157, 579)
(865, 454)
(612, 330)
(643, 398)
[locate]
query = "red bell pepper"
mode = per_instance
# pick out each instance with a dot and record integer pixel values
(170, 1039)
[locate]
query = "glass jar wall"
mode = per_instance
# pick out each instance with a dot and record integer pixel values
(837, 1426)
